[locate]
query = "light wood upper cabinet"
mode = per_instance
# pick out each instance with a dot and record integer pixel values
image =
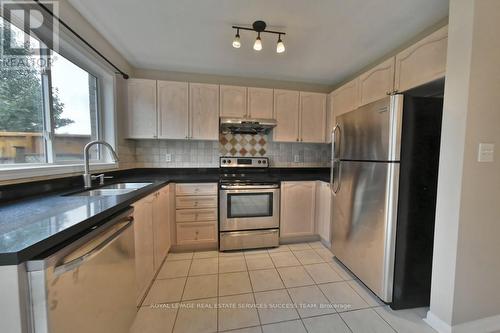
(422, 62)
(298, 208)
(345, 98)
(141, 109)
(204, 111)
(312, 117)
(161, 225)
(260, 103)
(377, 83)
(173, 106)
(233, 101)
(286, 112)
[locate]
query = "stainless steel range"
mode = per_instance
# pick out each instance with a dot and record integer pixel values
(249, 204)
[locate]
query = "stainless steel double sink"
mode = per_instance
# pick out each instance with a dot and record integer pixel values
(114, 189)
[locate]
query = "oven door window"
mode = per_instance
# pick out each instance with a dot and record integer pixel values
(244, 205)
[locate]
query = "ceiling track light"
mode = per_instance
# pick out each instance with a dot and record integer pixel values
(236, 40)
(259, 27)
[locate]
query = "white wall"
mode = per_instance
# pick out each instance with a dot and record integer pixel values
(466, 267)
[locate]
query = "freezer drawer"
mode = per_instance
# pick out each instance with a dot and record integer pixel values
(364, 222)
(237, 240)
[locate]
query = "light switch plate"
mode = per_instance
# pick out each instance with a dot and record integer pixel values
(296, 159)
(486, 152)
(168, 157)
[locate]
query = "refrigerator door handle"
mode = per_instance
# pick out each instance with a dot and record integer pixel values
(333, 158)
(337, 188)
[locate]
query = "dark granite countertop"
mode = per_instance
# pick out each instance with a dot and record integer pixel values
(38, 216)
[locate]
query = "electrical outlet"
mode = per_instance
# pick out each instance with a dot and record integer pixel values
(486, 152)
(296, 158)
(168, 157)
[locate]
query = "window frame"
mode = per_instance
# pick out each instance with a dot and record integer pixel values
(72, 50)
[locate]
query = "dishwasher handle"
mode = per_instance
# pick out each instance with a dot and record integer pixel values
(77, 262)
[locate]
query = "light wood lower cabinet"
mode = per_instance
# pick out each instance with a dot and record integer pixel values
(152, 237)
(196, 214)
(144, 245)
(196, 232)
(161, 226)
(323, 210)
(196, 202)
(298, 201)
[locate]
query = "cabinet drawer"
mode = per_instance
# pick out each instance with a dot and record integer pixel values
(196, 189)
(188, 233)
(196, 202)
(196, 215)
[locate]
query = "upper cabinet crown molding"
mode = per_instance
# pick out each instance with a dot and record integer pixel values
(260, 103)
(173, 110)
(423, 62)
(141, 109)
(233, 101)
(377, 83)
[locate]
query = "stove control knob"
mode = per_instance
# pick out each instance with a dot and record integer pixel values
(224, 161)
(228, 161)
(264, 161)
(260, 162)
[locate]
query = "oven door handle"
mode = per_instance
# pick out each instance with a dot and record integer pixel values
(249, 187)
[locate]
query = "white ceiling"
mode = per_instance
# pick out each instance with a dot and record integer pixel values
(326, 41)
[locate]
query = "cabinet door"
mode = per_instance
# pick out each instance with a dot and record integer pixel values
(323, 210)
(312, 117)
(233, 101)
(422, 62)
(260, 103)
(204, 111)
(286, 112)
(298, 208)
(161, 225)
(173, 105)
(141, 109)
(345, 98)
(144, 247)
(377, 83)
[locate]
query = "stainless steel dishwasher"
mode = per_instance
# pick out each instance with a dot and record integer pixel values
(88, 285)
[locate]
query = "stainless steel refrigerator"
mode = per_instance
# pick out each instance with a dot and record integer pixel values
(384, 178)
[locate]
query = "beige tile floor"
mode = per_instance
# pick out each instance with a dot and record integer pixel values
(293, 288)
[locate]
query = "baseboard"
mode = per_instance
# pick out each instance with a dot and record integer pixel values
(484, 325)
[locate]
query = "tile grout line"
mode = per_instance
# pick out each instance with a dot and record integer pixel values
(183, 290)
(253, 293)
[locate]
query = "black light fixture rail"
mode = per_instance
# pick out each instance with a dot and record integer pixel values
(252, 29)
(119, 71)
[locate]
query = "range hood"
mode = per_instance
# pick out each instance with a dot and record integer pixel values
(246, 126)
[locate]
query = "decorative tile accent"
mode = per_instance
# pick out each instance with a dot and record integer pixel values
(243, 144)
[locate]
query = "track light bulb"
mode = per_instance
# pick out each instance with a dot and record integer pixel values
(236, 40)
(257, 46)
(280, 47)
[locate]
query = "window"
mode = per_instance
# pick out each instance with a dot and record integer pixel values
(47, 115)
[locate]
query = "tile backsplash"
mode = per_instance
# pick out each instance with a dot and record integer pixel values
(205, 154)
(243, 145)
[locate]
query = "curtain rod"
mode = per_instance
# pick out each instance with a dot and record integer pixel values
(123, 74)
